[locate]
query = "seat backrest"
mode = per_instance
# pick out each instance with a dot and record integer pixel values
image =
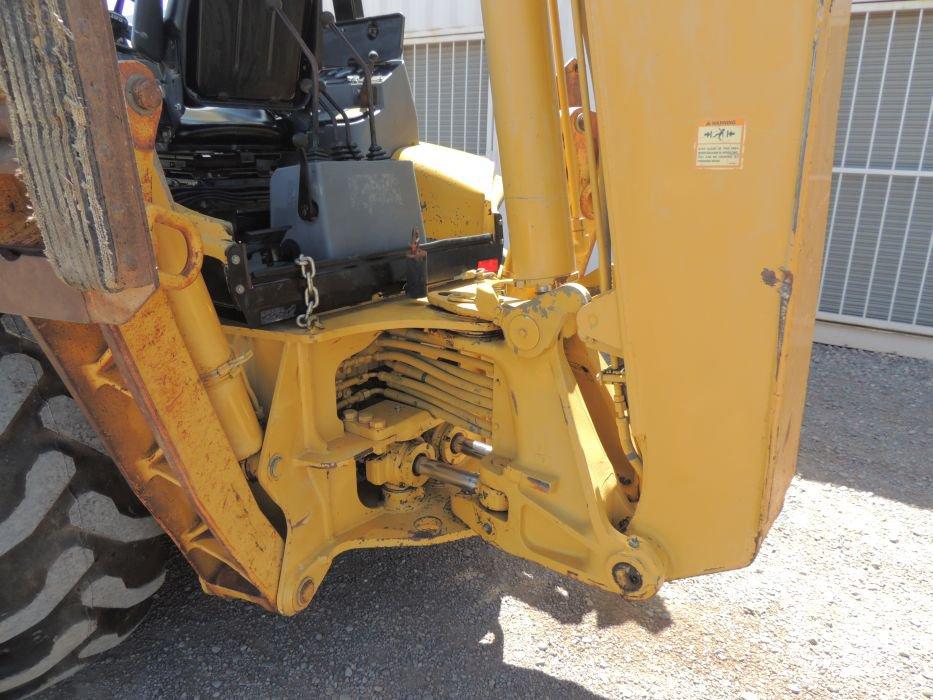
(241, 54)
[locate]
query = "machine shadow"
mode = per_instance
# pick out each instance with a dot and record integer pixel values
(433, 621)
(867, 419)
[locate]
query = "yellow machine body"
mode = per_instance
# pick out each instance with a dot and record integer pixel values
(642, 429)
(460, 192)
(716, 249)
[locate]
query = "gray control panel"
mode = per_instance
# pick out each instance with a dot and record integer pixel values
(359, 207)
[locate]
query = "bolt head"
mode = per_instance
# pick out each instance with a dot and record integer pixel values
(487, 528)
(524, 332)
(633, 542)
(234, 259)
(240, 289)
(146, 93)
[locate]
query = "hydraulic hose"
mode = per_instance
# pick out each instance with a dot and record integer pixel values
(483, 400)
(351, 147)
(451, 414)
(360, 396)
(354, 381)
(480, 385)
(437, 412)
(625, 431)
(435, 353)
(436, 397)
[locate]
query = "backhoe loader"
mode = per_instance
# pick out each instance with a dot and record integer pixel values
(294, 329)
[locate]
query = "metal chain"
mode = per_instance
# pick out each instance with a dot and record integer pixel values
(312, 298)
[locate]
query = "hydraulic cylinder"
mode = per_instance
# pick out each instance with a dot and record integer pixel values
(524, 92)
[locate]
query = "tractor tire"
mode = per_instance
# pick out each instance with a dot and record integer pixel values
(80, 557)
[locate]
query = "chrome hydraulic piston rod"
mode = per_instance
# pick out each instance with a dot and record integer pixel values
(472, 448)
(445, 473)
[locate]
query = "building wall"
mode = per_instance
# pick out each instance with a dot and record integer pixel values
(427, 17)
(450, 82)
(876, 269)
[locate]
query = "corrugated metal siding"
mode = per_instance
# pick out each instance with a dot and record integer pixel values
(451, 85)
(430, 15)
(880, 235)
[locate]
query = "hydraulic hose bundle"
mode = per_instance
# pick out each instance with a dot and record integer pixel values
(450, 386)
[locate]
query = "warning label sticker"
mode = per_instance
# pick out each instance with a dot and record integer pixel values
(720, 144)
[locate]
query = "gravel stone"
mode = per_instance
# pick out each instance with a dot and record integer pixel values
(841, 589)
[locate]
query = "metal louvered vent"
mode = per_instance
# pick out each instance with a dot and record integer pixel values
(876, 269)
(451, 85)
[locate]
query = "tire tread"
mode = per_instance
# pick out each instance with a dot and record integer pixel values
(82, 555)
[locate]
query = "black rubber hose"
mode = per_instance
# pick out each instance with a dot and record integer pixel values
(351, 147)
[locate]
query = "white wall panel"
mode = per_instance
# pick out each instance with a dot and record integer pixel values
(450, 82)
(876, 267)
(430, 16)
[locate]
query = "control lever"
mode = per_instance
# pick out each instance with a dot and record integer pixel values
(375, 151)
(276, 7)
(307, 208)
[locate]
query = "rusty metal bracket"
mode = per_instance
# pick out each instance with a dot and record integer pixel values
(145, 401)
(136, 379)
(193, 246)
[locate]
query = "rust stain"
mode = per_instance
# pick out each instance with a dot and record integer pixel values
(769, 276)
(786, 290)
(143, 125)
(83, 359)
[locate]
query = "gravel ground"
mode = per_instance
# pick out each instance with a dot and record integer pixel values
(838, 604)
